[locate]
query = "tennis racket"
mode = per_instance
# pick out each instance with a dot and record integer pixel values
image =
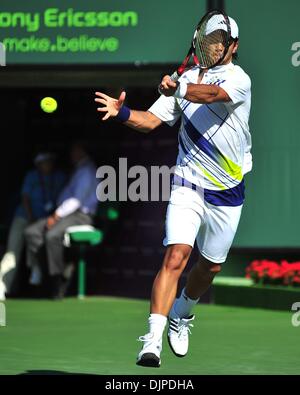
(210, 43)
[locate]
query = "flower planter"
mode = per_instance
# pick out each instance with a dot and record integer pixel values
(239, 291)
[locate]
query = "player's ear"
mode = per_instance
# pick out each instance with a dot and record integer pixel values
(235, 46)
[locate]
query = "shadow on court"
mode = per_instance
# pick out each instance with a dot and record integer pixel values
(52, 373)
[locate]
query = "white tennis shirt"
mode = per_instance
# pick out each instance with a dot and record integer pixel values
(214, 139)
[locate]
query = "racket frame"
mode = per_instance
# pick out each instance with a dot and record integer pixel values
(191, 53)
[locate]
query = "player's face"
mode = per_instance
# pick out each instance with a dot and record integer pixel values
(215, 45)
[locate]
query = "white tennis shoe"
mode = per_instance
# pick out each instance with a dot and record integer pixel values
(178, 334)
(150, 353)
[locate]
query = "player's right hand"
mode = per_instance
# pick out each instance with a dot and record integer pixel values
(110, 105)
(167, 86)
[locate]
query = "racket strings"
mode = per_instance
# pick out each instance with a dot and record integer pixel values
(211, 41)
(209, 44)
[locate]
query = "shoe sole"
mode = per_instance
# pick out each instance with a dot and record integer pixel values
(173, 351)
(149, 360)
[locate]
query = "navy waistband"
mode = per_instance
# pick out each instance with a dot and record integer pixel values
(227, 197)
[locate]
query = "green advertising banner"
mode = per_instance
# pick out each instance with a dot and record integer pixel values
(97, 31)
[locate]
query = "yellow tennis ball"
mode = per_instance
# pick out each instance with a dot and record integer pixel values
(48, 104)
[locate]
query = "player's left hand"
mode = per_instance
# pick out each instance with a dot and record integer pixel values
(168, 87)
(110, 105)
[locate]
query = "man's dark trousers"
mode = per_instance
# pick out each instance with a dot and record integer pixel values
(37, 236)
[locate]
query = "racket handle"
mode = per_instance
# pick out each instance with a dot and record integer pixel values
(174, 77)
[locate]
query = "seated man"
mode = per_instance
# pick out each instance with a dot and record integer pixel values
(77, 204)
(40, 190)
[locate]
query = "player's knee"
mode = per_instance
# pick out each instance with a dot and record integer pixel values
(215, 268)
(209, 267)
(176, 260)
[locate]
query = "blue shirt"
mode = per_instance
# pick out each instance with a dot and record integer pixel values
(42, 191)
(82, 186)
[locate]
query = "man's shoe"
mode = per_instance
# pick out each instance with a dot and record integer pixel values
(178, 334)
(56, 287)
(67, 278)
(150, 354)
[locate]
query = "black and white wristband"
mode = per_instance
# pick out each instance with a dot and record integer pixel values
(123, 115)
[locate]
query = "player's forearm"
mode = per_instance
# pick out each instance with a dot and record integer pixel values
(142, 121)
(202, 93)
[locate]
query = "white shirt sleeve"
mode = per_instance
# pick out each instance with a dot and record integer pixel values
(238, 88)
(247, 165)
(68, 207)
(166, 109)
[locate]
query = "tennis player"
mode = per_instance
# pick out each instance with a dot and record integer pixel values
(208, 186)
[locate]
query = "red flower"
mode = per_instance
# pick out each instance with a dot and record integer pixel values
(269, 271)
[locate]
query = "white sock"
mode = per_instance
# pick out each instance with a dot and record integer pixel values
(183, 306)
(157, 323)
